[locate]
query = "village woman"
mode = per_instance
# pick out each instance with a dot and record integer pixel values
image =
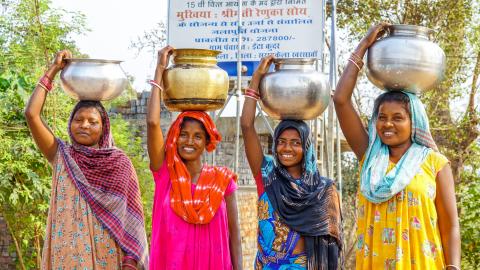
(407, 215)
(95, 219)
(195, 218)
(299, 216)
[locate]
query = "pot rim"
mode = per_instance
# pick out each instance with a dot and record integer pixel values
(89, 60)
(196, 51)
(294, 61)
(418, 29)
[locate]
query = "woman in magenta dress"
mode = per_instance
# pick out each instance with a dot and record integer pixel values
(195, 218)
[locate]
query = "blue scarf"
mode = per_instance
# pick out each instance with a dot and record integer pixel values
(375, 183)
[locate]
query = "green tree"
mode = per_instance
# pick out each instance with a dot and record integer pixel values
(455, 128)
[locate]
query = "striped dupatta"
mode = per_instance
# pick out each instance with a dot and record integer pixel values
(108, 182)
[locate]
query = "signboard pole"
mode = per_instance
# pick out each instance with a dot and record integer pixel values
(239, 85)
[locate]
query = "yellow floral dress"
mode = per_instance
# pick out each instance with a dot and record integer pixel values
(402, 233)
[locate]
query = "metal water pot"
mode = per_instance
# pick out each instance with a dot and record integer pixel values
(406, 59)
(93, 79)
(195, 82)
(295, 90)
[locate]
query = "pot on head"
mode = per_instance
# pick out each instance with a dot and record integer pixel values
(93, 79)
(406, 59)
(295, 90)
(195, 82)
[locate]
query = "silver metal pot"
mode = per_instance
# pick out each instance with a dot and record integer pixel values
(295, 90)
(93, 79)
(406, 59)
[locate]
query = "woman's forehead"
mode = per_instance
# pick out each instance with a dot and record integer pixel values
(91, 111)
(289, 133)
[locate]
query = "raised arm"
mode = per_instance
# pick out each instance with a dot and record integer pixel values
(350, 122)
(448, 224)
(253, 148)
(155, 141)
(41, 133)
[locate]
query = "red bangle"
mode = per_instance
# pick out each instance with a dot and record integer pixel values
(252, 90)
(47, 82)
(251, 96)
(252, 93)
(129, 266)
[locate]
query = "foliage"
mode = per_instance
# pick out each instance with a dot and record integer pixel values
(24, 173)
(469, 205)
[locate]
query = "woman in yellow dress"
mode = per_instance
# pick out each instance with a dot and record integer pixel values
(406, 213)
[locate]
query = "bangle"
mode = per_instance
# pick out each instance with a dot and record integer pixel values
(252, 97)
(43, 86)
(153, 83)
(454, 266)
(356, 57)
(353, 62)
(128, 257)
(252, 92)
(129, 266)
(46, 83)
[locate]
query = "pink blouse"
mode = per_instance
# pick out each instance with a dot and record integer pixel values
(177, 244)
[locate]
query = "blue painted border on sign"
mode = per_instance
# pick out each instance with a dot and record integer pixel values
(231, 67)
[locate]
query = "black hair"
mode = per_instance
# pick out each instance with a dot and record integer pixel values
(91, 104)
(191, 119)
(392, 96)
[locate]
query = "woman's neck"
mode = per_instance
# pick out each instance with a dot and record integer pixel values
(396, 152)
(194, 168)
(295, 171)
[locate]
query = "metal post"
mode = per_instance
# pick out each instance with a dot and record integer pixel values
(239, 84)
(319, 146)
(333, 68)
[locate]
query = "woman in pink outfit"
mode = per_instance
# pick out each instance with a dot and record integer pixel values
(195, 217)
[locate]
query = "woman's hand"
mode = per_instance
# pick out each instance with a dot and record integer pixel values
(162, 62)
(59, 62)
(374, 33)
(261, 70)
(164, 56)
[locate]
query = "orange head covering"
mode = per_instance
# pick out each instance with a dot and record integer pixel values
(212, 183)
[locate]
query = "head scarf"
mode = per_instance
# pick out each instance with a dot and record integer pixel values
(212, 183)
(108, 182)
(311, 208)
(375, 183)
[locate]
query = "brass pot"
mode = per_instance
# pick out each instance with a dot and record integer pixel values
(195, 82)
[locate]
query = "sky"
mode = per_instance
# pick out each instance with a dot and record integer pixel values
(113, 26)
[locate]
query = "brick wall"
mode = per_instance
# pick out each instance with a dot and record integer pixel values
(6, 256)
